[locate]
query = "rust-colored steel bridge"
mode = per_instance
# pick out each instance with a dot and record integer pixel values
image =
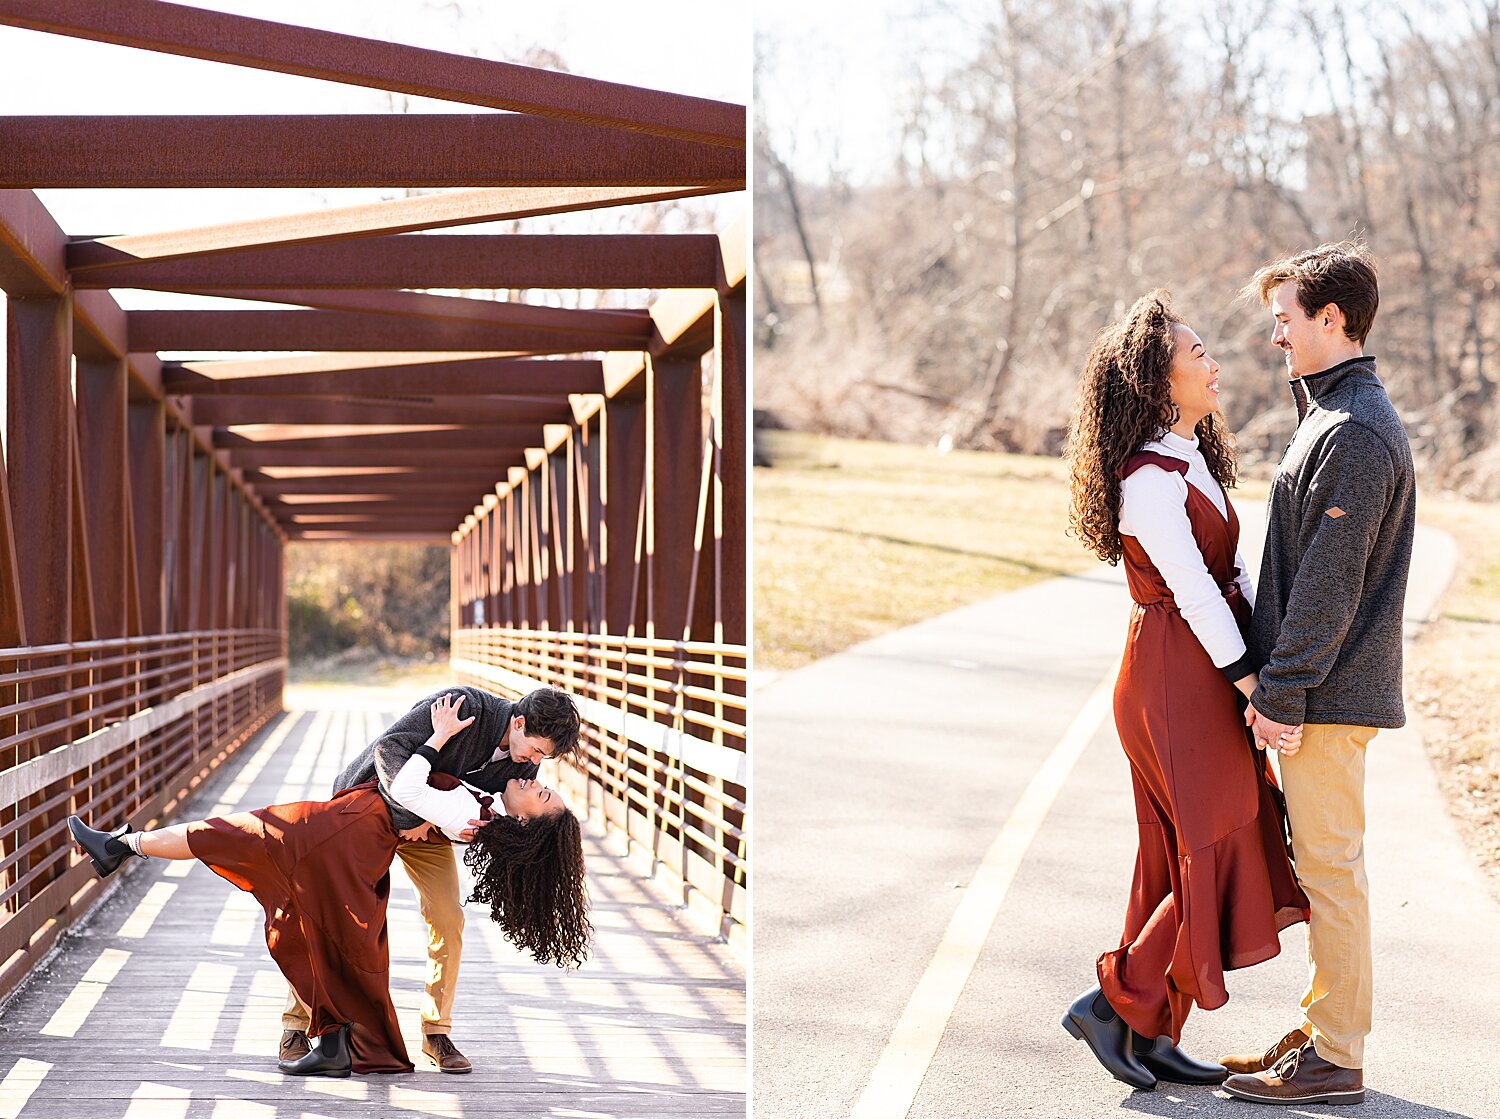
(586, 466)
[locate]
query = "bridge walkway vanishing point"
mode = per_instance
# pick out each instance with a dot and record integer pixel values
(164, 1004)
(963, 788)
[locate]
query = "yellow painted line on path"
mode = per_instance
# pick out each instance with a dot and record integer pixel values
(898, 1074)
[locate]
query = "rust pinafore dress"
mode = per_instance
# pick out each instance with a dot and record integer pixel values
(321, 871)
(1213, 883)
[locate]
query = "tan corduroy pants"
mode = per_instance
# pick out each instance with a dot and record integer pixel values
(1325, 799)
(434, 872)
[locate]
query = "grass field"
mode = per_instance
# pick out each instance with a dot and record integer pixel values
(854, 538)
(1455, 676)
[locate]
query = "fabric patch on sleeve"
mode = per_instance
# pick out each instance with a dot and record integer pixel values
(1335, 512)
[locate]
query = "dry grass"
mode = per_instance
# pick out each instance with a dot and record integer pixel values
(855, 538)
(1453, 674)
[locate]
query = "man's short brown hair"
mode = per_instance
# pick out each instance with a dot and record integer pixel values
(1340, 272)
(551, 713)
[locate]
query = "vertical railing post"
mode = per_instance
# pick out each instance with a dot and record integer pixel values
(103, 458)
(39, 462)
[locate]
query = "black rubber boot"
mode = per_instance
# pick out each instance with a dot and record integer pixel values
(102, 847)
(1169, 1062)
(328, 1056)
(1093, 1020)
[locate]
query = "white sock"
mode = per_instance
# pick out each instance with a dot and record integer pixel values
(132, 839)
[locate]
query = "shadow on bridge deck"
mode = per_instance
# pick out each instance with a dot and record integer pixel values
(166, 1005)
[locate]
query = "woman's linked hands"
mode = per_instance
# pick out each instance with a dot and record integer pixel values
(1269, 734)
(445, 720)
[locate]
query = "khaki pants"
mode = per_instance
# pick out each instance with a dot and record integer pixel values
(434, 872)
(1325, 799)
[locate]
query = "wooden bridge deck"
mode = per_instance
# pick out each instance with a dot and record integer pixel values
(166, 1005)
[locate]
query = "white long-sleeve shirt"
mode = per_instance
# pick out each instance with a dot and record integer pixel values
(450, 809)
(1153, 510)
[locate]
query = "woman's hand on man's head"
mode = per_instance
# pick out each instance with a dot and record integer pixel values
(445, 720)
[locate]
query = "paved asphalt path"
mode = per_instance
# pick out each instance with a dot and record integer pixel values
(884, 774)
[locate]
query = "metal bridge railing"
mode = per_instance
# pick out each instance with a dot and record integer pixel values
(115, 730)
(662, 761)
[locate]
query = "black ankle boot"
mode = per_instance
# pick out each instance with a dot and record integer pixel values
(328, 1056)
(102, 847)
(1168, 1062)
(1093, 1020)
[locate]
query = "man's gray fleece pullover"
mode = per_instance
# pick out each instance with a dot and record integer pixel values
(1327, 621)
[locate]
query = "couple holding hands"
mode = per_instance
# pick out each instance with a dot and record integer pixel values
(1218, 672)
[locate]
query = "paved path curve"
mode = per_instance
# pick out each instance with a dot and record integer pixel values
(897, 782)
(165, 1005)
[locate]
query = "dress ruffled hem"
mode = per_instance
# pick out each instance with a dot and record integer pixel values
(1229, 910)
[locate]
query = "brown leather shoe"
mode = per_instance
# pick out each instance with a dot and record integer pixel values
(1300, 1077)
(444, 1053)
(293, 1045)
(1262, 1061)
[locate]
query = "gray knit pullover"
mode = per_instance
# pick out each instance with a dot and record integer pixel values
(1327, 621)
(466, 755)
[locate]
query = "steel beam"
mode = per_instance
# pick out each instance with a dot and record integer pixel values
(12, 616)
(345, 330)
(417, 484)
(624, 489)
(456, 505)
(103, 454)
(399, 215)
(732, 424)
(675, 451)
(258, 457)
(39, 459)
(331, 56)
(147, 455)
(440, 260)
(393, 536)
(368, 150)
(436, 522)
(462, 377)
(31, 247)
(459, 411)
(613, 323)
(437, 445)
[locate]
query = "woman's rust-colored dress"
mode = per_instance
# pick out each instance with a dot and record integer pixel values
(321, 871)
(1213, 882)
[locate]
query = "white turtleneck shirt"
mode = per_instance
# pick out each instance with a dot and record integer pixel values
(1153, 510)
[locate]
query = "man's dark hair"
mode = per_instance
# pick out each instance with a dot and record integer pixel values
(551, 713)
(1340, 272)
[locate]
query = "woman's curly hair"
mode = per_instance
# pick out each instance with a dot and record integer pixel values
(1124, 401)
(531, 876)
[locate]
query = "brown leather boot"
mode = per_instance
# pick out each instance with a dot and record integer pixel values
(293, 1045)
(1301, 1077)
(1262, 1061)
(444, 1053)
